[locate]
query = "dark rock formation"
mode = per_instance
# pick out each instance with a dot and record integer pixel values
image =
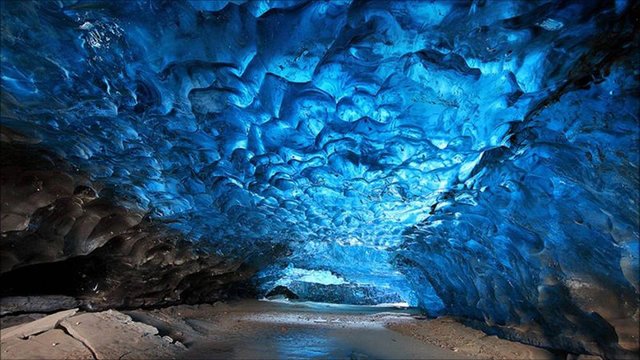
(60, 237)
(36, 304)
(282, 291)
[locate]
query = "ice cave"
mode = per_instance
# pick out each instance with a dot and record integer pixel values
(468, 164)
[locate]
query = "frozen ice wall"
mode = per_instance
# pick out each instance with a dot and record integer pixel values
(472, 157)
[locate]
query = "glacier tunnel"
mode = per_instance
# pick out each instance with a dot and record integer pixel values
(476, 159)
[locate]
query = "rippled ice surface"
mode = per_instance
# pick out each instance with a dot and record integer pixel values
(475, 156)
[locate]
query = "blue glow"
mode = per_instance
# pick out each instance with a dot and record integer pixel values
(479, 158)
(323, 277)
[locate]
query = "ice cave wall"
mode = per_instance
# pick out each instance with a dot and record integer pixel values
(476, 158)
(545, 231)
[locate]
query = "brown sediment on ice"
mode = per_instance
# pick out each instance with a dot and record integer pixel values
(448, 333)
(103, 335)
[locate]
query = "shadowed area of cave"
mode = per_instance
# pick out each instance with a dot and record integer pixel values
(477, 159)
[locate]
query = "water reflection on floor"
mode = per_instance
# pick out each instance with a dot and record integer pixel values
(298, 343)
(280, 338)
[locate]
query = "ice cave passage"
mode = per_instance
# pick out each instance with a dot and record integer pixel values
(471, 158)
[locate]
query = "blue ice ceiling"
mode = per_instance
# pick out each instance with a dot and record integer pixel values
(419, 150)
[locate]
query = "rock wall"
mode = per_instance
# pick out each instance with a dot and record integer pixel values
(60, 236)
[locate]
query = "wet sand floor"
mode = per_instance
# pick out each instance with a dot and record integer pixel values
(311, 331)
(253, 329)
(319, 343)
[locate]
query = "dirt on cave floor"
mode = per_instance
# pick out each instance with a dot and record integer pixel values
(252, 329)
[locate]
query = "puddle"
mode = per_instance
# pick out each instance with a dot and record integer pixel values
(315, 333)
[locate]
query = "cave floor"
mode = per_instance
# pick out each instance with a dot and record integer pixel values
(261, 330)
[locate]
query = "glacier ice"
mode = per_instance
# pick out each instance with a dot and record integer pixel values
(477, 158)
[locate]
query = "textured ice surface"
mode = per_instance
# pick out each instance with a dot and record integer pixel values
(479, 157)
